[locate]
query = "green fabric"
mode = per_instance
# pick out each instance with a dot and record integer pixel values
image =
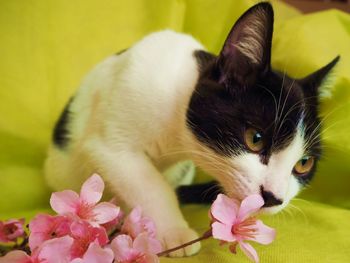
(48, 46)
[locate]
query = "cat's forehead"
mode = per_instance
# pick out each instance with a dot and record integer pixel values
(274, 104)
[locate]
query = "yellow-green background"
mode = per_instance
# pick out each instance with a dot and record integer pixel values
(47, 46)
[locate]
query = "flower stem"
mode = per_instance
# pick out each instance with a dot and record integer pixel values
(206, 235)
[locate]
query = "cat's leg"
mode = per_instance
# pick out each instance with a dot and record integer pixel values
(135, 180)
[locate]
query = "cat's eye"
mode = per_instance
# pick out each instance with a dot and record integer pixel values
(253, 140)
(304, 165)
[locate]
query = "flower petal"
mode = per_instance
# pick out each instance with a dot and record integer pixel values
(39, 227)
(105, 212)
(92, 190)
(41, 223)
(109, 226)
(250, 205)
(135, 214)
(64, 202)
(13, 229)
(101, 236)
(264, 234)
(96, 254)
(249, 251)
(16, 256)
(132, 225)
(44, 227)
(79, 229)
(147, 245)
(122, 248)
(224, 209)
(135, 224)
(149, 226)
(149, 258)
(77, 260)
(222, 232)
(56, 250)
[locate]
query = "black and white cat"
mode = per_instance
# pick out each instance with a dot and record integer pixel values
(166, 99)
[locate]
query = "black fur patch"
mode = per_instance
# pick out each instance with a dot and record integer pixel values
(60, 134)
(203, 59)
(198, 193)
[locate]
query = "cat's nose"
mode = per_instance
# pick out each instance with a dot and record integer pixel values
(269, 198)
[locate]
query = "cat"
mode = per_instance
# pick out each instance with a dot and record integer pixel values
(166, 99)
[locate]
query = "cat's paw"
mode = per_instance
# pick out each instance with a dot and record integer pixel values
(174, 237)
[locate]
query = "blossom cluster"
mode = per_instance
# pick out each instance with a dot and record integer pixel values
(86, 231)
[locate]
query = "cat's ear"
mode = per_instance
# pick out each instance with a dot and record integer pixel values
(312, 82)
(247, 49)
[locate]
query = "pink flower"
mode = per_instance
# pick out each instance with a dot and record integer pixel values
(136, 224)
(235, 224)
(143, 249)
(115, 223)
(85, 206)
(84, 234)
(11, 230)
(96, 254)
(53, 250)
(45, 227)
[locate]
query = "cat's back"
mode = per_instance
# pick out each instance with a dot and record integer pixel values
(163, 62)
(144, 86)
(163, 70)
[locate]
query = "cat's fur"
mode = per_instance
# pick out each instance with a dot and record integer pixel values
(165, 99)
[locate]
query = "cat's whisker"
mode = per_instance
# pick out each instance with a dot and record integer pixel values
(324, 118)
(287, 96)
(320, 136)
(298, 209)
(217, 190)
(280, 96)
(288, 211)
(287, 113)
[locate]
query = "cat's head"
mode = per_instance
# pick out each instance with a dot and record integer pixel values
(256, 130)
